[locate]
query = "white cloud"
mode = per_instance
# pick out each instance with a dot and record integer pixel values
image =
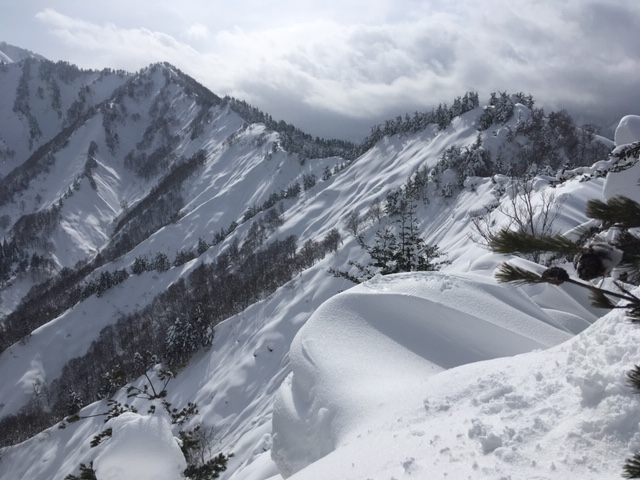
(198, 31)
(314, 60)
(107, 45)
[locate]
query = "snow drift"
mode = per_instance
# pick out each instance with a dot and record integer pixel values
(380, 337)
(368, 398)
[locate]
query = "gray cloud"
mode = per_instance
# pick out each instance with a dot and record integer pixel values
(334, 69)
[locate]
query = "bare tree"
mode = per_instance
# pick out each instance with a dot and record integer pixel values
(524, 212)
(203, 440)
(527, 215)
(352, 222)
(376, 211)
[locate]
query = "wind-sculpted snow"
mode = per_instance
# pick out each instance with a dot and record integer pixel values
(368, 397)
(628, 130)
(625, 184)
(379, 337)
(142, 448)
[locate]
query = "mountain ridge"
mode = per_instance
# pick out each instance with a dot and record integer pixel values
(162, 190)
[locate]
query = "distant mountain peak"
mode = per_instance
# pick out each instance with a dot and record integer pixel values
(11, 53)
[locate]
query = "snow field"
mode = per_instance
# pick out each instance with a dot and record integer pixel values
(549, 414)
(141, 447)
(392, 379)
(363, 346)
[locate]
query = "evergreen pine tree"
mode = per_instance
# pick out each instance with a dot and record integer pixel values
(390, 253)
(161, 262)
(186, 336)
(410, 244)
(86, 473)
(384, 252)
(74, 402)
(140, 265)
(202, 246)
(596, 260)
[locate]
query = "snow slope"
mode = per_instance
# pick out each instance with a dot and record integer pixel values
(11, 53)
(559, 413)
(378, 337)
(381, 373)
(369, 345)
(367, 397)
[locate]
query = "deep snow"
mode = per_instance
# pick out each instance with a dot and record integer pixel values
(559, 413)
(368, 397)
(421, 375)
(365, 346)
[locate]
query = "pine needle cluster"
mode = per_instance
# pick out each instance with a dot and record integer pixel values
(596, 260)
(591, 262)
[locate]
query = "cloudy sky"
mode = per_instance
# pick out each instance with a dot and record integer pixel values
(334, 68)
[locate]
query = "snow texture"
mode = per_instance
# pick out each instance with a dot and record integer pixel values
(560, 413)
(142, 447)
(380, 336)
(628, 130)
(433, 375)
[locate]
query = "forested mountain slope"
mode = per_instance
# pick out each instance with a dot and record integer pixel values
(148, 221)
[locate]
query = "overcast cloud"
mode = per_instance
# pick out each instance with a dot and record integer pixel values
(335, 68)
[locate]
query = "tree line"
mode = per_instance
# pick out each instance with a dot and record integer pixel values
(176, 324)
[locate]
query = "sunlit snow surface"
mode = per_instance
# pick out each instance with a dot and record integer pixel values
(367, 397)
(142, 447)
(560, 413)
(362, 348)
(396, 378)
(628, 131)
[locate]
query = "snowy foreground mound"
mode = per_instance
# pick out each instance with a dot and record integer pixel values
(628, 130)
(395, 379)
(143, 447)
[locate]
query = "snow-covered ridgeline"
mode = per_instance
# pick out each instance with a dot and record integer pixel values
(234, 382)
(253, 347)
(355, 407)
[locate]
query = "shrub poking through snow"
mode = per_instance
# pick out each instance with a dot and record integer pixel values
(86, 473)
(595, 261)
(196, 444)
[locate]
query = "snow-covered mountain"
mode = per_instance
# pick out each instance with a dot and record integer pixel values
(141, 211)
(11, 53)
